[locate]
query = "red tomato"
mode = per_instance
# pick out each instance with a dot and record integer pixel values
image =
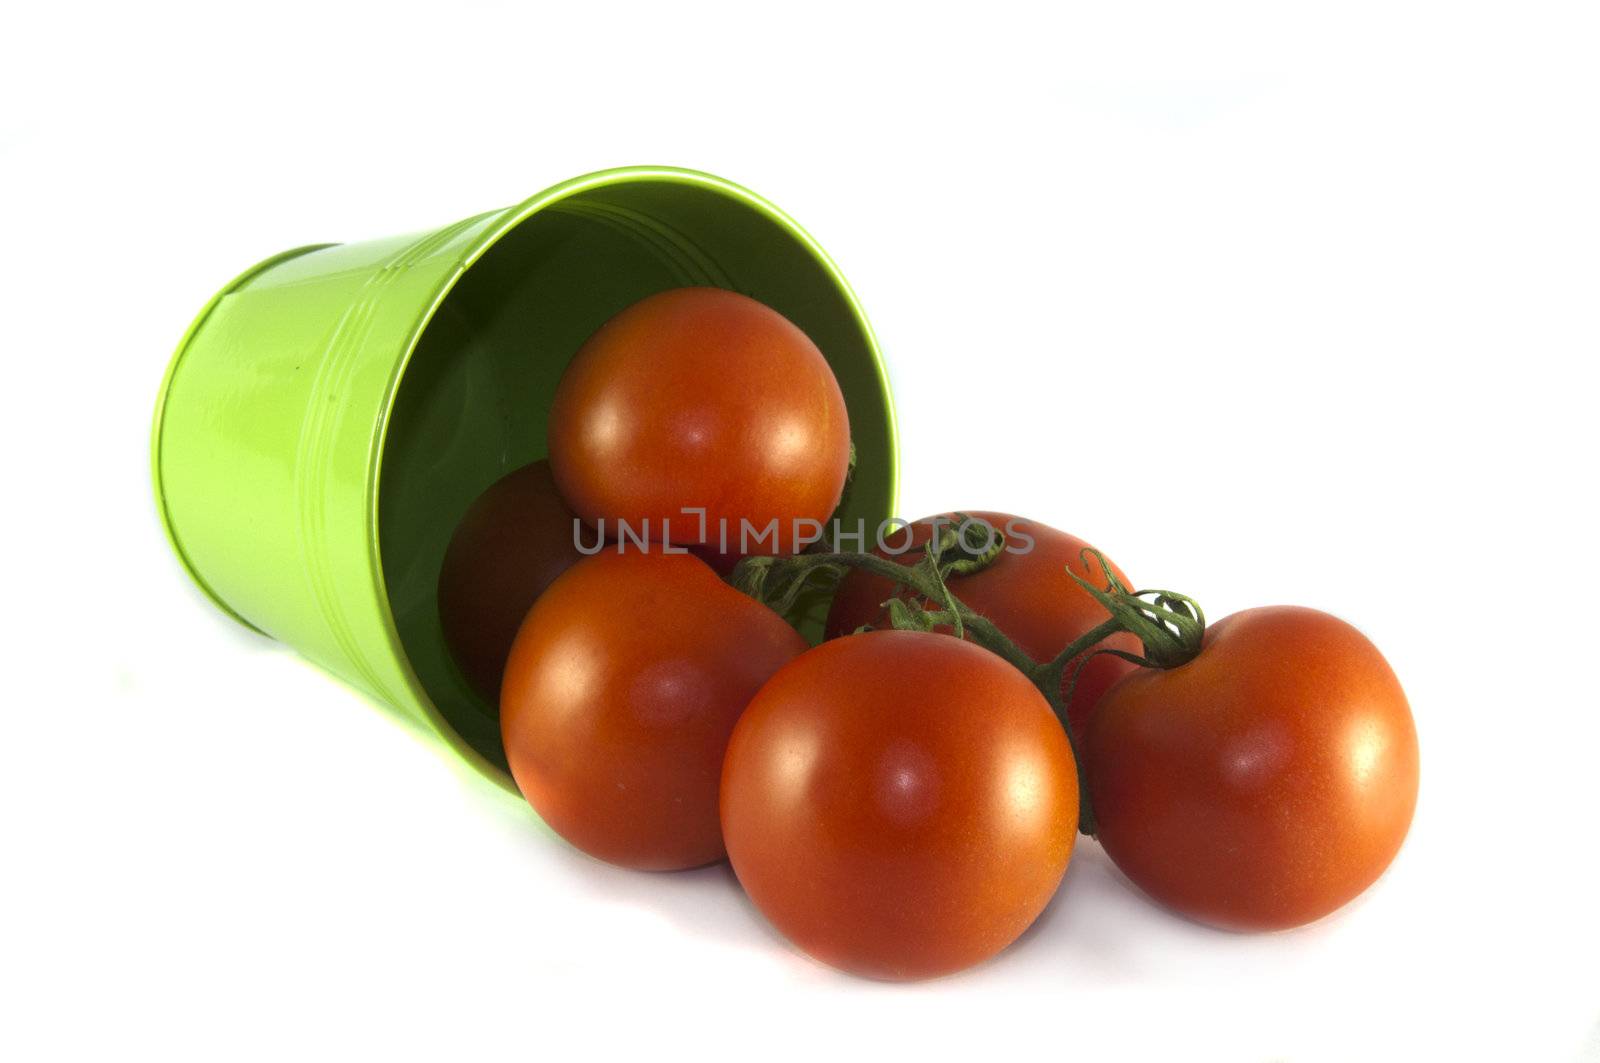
(899, 804)
(700, 398)
(1263, 784)
(1029, 596)
(515, 539)
(623, 685)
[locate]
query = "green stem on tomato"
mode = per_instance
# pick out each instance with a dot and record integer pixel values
(1170, 626)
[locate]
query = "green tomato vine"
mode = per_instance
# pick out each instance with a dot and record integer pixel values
(1170, 626)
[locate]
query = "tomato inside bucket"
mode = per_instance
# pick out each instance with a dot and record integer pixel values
(472, 404)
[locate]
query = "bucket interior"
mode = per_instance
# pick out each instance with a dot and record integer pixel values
(473, 402)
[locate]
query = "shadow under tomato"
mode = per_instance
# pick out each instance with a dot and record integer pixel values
(705, 901)
(1085, 925)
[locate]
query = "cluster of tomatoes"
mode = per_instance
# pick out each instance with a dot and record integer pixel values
(899, 802)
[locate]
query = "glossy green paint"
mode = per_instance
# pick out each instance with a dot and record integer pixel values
(331, 413)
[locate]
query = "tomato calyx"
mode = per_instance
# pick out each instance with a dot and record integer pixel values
(1170, 626)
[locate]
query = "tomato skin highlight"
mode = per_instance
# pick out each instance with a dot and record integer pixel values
(1029, 596)
(700, 398)
(899, 804)
(512, 543)
(1264, 784)
(623, 685)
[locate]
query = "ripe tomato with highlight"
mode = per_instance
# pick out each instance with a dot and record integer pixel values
(701, 399)
(1263, 784)
(624, 683)
(899, 804)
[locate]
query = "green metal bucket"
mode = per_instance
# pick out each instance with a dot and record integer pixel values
(331, 413)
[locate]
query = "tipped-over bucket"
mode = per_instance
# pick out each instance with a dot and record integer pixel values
(331, 413)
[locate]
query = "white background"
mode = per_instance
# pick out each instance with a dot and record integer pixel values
(1348, 253)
